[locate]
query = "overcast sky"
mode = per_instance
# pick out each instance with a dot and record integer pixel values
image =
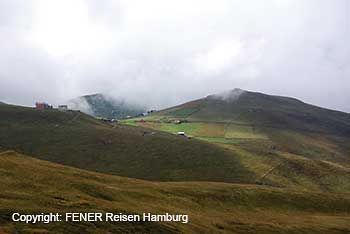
(167, 52)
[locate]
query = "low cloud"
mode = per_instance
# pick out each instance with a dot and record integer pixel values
(229, 96)
(81, 104)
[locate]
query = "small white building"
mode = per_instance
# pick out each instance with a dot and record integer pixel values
(177, 121)
(62, 107)
(181, 133)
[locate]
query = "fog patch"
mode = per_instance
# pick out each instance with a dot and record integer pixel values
(228, 96)
(80, 104)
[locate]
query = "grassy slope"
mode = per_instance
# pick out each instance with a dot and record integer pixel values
(212, 207)
(285, 142)
(75, 139)
(287, 123)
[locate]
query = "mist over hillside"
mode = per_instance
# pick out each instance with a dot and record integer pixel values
(100, 105)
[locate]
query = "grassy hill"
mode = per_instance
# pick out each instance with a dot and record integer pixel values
(241, 172)
(75, 139)
(264, 111)
(283, 141)
(30, 185)
(248, 118)
(294, 160)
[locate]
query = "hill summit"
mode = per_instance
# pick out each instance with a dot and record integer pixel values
(229, 96)
(259, 123)
(264, 111)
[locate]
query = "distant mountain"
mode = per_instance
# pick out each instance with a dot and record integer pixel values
(263, 110)
(260, 124)
(100, 105)
(2, 103)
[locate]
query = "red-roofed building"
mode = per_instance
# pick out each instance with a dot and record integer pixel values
(42, 106)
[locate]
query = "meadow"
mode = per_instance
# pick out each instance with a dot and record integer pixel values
(212, 207)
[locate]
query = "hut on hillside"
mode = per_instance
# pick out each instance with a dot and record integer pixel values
(42, 106)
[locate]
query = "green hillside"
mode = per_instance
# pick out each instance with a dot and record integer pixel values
(264, 111)
(283, 141)
(75, 139)
(247, 118)
(33, 186)
(239, 172)
(239, 153)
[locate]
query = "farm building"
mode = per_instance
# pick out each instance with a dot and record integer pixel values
(62, 107)
(181, 133)
(148, 133)
(42, 106)
(177, 121)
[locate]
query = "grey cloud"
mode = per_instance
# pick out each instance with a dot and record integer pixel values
(161, 53)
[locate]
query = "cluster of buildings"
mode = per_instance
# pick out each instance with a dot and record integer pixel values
(106, 119)
(43, 106)
(144, 113)
(46, 106)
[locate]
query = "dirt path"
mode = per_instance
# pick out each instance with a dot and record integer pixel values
(269, 171)
(74, 118)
